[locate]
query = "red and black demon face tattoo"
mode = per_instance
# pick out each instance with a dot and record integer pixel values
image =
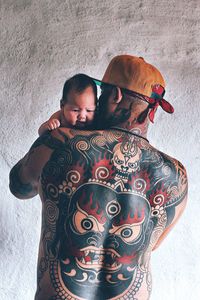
(104, 233)
(107, 200)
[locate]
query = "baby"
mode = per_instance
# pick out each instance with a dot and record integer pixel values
(78, 105)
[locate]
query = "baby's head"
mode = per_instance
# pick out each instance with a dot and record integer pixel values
(79, 101)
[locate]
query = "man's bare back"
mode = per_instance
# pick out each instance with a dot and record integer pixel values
(108, 197)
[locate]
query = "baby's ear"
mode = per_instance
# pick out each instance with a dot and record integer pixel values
(61, 103)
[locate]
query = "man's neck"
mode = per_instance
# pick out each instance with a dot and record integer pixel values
(134, 127)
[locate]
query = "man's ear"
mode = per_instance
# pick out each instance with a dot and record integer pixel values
(118, 96)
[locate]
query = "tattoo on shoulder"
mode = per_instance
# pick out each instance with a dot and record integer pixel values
(48, 140)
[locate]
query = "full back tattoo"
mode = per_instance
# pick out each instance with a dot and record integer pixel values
(107, 197)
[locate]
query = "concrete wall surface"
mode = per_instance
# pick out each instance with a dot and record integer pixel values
(44, 42)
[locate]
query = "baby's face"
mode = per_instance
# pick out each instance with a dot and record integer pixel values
(79, 109)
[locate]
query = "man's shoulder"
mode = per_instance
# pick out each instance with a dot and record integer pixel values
(172, 170)
(68, 135)
(62, 133)
(162, 167)
(166, 158)
(50, 139)
(173, 162)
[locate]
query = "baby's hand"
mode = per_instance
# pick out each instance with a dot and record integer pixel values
(53, 124)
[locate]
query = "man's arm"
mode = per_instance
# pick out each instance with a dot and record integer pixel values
(25, 175)
(179, 210)
(182, 195)
(19, 188)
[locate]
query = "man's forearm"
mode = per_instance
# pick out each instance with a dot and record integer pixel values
(43, 128)
(17, 187)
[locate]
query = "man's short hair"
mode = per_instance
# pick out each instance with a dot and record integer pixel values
(78, 83)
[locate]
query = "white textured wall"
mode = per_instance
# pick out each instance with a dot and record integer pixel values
(43, 43)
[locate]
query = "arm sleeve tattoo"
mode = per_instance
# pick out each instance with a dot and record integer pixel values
(29, 189)
(17, 187)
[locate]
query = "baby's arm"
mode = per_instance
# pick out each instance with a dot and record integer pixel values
(51, 124)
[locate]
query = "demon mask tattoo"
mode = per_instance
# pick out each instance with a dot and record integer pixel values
(103, 234)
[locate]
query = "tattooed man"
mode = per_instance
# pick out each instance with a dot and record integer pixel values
(108, 197)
